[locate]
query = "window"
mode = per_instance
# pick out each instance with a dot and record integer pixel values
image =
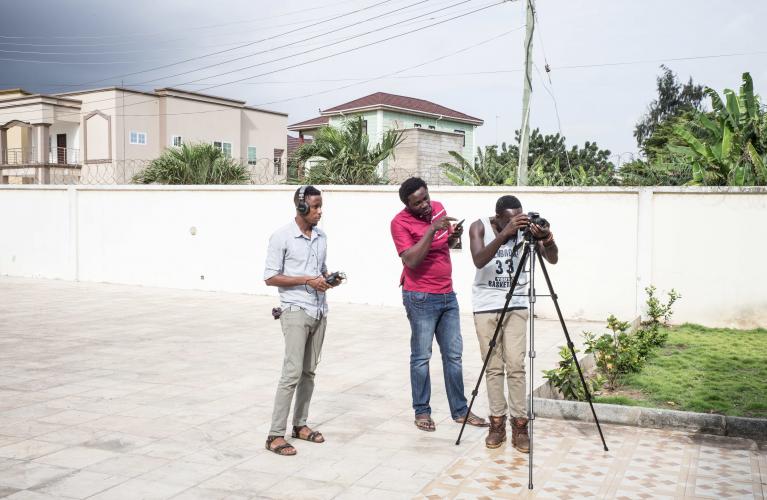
(463, 133)
(176, 141)
(138, 138)
(416, 125)
(225, 147)
(252, 159)
(278, 161)
(432, 127)
(365, 127)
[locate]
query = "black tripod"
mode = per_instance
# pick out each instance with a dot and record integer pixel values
(531, 248)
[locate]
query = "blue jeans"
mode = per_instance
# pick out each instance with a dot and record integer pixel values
(433, 314)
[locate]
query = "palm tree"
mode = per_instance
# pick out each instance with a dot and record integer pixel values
(346, 156)
(486, 170)
(193, 164)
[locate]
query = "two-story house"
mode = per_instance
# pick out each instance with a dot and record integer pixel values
(106, 135)
(429, 130)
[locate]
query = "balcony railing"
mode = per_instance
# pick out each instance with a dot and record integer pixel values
(30, 156)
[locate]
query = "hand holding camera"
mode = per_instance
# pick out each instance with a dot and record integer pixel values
(538, 227)
(335, 279)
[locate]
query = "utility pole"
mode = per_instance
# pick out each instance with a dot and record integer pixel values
(528, 88)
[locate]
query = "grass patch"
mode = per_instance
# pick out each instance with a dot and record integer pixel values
(706, 370)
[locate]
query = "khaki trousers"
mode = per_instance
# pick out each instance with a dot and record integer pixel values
(303, 343)
(507, 360)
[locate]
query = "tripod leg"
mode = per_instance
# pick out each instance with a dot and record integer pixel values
(493, 341)
(571, 346)
(531, 354)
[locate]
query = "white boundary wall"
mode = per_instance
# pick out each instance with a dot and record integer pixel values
(708, 243)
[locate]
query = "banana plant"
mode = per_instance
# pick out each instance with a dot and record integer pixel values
(486, 170)
(733, 149)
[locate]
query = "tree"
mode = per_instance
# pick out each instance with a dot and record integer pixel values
(193, 164)
(485, 171)
(549, 163)
(672, 171)
(674, 101)
(727, 146)
(346, 156)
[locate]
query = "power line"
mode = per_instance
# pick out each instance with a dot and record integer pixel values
(304, 40)
(163, 32)
(394, 72)
(353, 49)
(301, 64)
(241, 46)
(426, 75)
(308, 62)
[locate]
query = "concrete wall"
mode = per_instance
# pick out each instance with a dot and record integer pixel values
(706, 243)
(420, 153)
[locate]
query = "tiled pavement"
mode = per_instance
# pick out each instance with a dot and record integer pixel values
(111, 391)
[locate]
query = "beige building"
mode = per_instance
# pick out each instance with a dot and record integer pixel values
(107, 135)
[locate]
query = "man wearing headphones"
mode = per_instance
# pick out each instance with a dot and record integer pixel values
(295, 263)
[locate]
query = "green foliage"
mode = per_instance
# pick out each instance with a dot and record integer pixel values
(653, 131)
(709, 370)
(670, 170)
(566, 379)
(549, 164)
(659, 314)
(294, 172)
(193, 164)
(727, 146)
(620, 353)
(346, 156)
(485, 171)
(616, 353)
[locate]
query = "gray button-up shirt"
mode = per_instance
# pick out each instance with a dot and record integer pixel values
(292, 253)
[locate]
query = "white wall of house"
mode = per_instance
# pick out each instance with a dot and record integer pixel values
(198, 121)
(266, 132)
(706, 243)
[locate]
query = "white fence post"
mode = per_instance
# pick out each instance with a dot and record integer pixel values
(644, 246)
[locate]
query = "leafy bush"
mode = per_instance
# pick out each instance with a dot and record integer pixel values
(565, 377)
(653, 331)
(617, 353)
(193, 164)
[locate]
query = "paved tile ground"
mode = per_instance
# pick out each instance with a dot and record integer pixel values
(112, 392)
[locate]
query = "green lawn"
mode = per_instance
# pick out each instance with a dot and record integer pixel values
(707, 370)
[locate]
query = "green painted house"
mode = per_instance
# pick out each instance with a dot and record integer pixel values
(430, 130)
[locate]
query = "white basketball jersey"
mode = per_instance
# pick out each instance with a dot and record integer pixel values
(491, 283)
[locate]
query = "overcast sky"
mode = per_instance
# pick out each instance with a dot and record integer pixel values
(604, 54)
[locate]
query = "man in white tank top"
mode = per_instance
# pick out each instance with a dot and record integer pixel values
(492, 242)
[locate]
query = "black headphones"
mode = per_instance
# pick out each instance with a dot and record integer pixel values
(302, 207)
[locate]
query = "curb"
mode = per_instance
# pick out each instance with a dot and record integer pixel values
(704, 423)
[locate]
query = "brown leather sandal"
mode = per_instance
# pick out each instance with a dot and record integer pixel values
(312, 437)
(285, 450)
(473, 420)
(425, 423)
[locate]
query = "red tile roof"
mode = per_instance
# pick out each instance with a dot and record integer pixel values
(408, 104)
(309, 124)
(294, 143)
